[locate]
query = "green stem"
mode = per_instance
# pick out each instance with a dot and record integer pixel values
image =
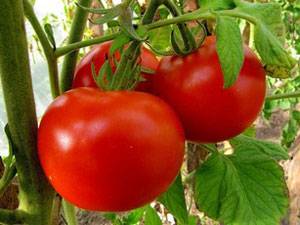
(8, 176)
(69, 212)
(295, 94)
(77, 45)
(75, 35)
(48, 50)
(150, 11)
(35, 194)
(12, 216)
(200, 14)
(188, 40)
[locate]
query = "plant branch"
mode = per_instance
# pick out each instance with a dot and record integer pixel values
(200, 14)
(75, 35)
(7, 177)
(12, 216)
(48, 50)
(295, 94)
(77, 45)
(35, 194)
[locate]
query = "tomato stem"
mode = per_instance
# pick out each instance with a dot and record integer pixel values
(75, 35)
(295, 94)
(188, 40)
(80, 44)
(36, 195)
(48, 50)
(200, 14)
(150, 11)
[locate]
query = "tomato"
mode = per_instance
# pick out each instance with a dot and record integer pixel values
(110, 151)
(193, 86)
(83, 76)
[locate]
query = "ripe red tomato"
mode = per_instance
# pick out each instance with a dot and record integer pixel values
(110, 151)
(193, 86)
(83, 76)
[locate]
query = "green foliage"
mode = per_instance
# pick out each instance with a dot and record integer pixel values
(268, 36)
(216, 4)
(174, 201)
(246, 187)
(229, 48)
(270, 149)
(151, 217)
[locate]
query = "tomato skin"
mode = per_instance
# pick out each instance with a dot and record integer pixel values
(83, 76)
(193, 86)
(110, 151)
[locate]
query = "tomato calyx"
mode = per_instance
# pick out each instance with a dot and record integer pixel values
(123, 74)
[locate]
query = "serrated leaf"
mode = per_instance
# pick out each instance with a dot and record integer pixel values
(174, 201)
(270, 149)
(216, 4)
(229, 48)
(151, 217)
(244, 188)
(270, 49)
(49, 31)
(267, 14)
(269, 35)
(118, 43)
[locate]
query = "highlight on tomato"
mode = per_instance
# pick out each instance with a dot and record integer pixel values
(193, 86)
(110, 151)
(83, 76)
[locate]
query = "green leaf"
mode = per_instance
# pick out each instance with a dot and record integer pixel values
(49, 31)
(134, 216)
(269, 35)
(270, 149)
(244, 188)
(229, 48)
(160, 38)
(110, 216)
(216, 4)
(266, 14)
(270, 49)
(174, 201)
(118, 43)
(110, 15)
(151, 217)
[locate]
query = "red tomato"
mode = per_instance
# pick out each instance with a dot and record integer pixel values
(193, 86)
(83, 74)
(110, 151)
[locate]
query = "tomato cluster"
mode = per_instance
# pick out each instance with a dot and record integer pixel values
(119, 150)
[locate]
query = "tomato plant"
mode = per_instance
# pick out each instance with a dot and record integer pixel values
(83, 76)
(104, 150)
(114, 150)
(194, 86)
